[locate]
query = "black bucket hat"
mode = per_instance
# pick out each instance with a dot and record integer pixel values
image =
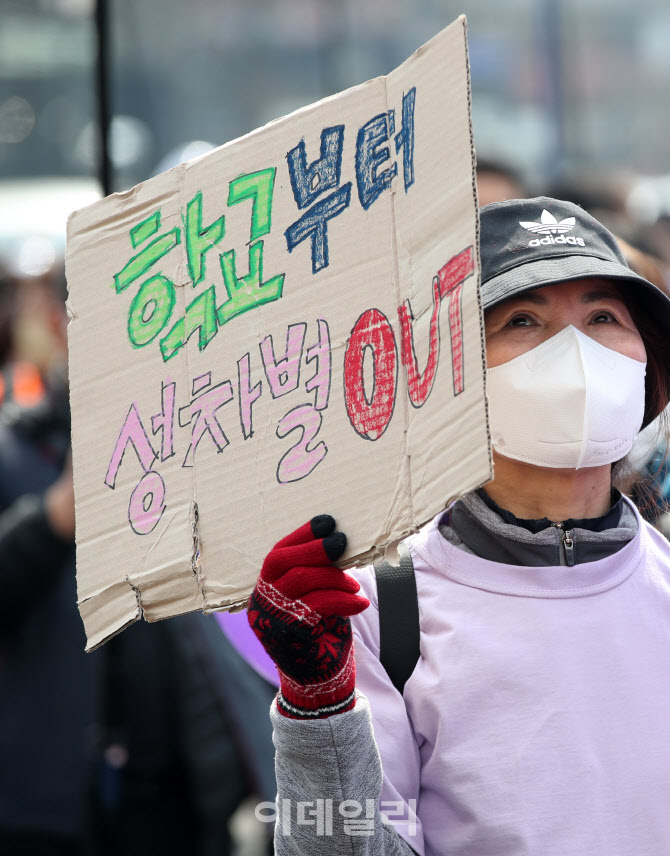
(529, 243)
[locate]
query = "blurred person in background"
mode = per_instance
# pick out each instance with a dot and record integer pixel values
(659, 232)
(153, 741)
(48, 685)
(646, 264)
(20, 379)
(497, 181)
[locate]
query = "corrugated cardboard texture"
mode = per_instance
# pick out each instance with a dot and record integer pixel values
(287, 326)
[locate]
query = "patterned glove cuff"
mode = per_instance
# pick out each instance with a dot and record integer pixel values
(318, 701)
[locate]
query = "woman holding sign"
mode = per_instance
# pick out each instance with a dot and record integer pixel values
(536, 720)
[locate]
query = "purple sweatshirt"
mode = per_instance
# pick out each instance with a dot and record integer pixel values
(537, 720)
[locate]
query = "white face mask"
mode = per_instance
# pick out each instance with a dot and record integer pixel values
(568, 403)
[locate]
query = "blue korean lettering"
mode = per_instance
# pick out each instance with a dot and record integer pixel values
(405, 137)
(313, 223)
(371, 154)
(311, 181)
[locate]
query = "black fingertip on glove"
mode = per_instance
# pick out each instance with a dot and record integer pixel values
(322, 525)
(335, 545)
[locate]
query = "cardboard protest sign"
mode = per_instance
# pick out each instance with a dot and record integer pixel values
(287, 326)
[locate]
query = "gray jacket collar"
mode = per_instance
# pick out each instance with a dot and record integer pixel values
(473, 525)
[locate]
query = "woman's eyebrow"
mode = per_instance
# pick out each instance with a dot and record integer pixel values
(526, 297)
(601, 294)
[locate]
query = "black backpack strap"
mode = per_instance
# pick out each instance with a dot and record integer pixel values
(399, 647)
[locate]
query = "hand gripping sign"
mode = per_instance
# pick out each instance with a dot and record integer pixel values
(286, 326)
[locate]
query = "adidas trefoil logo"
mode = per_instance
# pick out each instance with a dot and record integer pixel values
(551, 227)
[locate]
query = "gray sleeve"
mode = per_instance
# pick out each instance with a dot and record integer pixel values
(328, 771)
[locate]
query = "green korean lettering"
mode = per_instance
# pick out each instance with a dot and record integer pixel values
(150, 310)
(145, 229)
(200, 315)
(259, 187)
(248, 291)
(199, 240)
(140, 263)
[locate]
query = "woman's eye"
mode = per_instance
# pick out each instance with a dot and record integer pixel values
(520, 321)
(603, 318)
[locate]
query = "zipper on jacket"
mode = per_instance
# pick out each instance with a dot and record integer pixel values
(568, 544)
(569, 548)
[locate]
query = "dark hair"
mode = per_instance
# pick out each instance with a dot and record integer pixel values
(643, 487)
(657, 346)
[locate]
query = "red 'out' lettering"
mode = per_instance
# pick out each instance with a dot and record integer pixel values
(420, 385)
(451, 277)
(370, 416)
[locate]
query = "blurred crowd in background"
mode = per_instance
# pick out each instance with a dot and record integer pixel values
(159, 738)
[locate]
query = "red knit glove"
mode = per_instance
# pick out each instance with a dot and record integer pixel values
(300, 611)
